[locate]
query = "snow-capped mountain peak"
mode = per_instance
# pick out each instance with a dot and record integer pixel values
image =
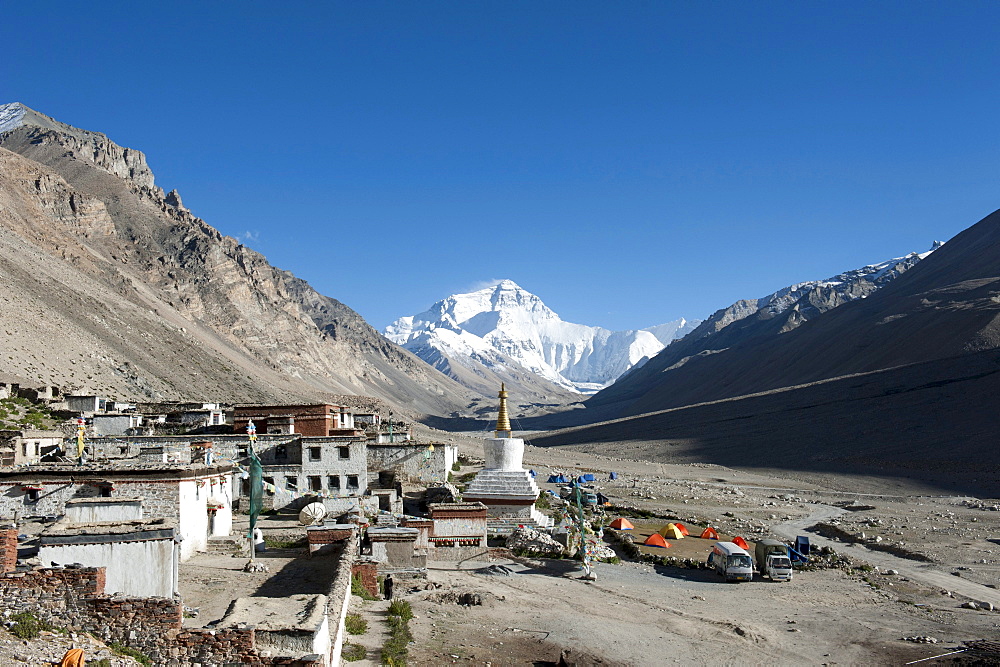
(504, 326)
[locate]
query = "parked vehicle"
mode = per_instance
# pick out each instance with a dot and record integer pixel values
(587, 494)
(773, 560)
(731, 561)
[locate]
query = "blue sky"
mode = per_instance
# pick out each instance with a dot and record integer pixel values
(629, 162)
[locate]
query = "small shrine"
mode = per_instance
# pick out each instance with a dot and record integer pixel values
(504, 486)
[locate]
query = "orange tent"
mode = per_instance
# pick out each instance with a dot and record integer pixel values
(671, 531)
(622, 524)
(684, 531)
(656, 540)
(710, 534)
(740, 542)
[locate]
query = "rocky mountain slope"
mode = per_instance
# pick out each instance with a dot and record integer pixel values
(901, 383)
(113, 286)
(751, 320)
(506, 332)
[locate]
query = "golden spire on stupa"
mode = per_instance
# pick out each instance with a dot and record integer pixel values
(503, 421)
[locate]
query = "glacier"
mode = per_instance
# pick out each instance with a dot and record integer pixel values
(506, 327)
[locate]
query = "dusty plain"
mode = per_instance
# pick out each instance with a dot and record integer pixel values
(857, 613)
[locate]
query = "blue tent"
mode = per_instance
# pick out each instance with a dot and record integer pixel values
(558, 479)
(589, 477)
(580, 480)
(802, 544)
(532, 473)
(613, 475)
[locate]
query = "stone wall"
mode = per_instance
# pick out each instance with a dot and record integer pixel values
(45, 591)
(225, 448)
(412, 462)
(340, 597)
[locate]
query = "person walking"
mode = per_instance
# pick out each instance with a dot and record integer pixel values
(387, 587)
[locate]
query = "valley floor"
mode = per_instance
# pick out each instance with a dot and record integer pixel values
(640, 614)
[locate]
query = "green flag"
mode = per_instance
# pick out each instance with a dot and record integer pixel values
(256, 490)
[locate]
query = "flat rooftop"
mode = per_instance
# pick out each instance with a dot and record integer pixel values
(295, 612)
(104, 469)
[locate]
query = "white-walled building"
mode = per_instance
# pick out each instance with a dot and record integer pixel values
(197, 498)
(140, 556)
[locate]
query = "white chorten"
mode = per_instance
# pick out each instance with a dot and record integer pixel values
(503, 485)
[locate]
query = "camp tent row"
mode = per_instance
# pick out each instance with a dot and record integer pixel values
(562, 479)
(674, 531)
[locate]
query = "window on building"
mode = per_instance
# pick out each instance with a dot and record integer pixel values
(335, 482)
(314, 454)
(242, 451)
(316, 483)
(269, 480)
(344, 452)
(352, 481)
(245, 487)
(105, 491)
(31, 495)
(281, 452)
(292, 484)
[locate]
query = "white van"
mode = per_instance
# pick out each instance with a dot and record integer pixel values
(731, 562)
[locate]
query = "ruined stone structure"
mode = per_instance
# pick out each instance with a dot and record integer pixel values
(413, 462)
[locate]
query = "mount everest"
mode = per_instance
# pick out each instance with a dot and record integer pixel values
(506, 330)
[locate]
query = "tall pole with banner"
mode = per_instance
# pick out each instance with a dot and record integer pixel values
(256, 486)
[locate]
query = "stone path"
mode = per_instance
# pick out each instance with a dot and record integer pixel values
(373, 611)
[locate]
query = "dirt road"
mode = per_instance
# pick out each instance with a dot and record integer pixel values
(927, 573)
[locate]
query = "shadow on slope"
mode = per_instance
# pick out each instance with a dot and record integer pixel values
(933, 422)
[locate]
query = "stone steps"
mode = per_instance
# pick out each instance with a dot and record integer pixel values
(227, 545)
(501, 526)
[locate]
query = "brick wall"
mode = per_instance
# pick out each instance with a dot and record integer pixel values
(323, 540)
(367, 571)
(8, 549)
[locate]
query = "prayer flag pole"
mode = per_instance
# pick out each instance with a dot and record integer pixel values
(256, 491)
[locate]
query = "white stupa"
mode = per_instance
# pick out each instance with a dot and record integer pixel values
(504, 486)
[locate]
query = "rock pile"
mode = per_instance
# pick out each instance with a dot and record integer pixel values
(530, 542)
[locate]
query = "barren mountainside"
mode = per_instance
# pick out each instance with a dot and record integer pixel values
(901, 383)
(754, 321)
(112, 286)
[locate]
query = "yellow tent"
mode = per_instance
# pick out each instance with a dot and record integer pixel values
(671, 532)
